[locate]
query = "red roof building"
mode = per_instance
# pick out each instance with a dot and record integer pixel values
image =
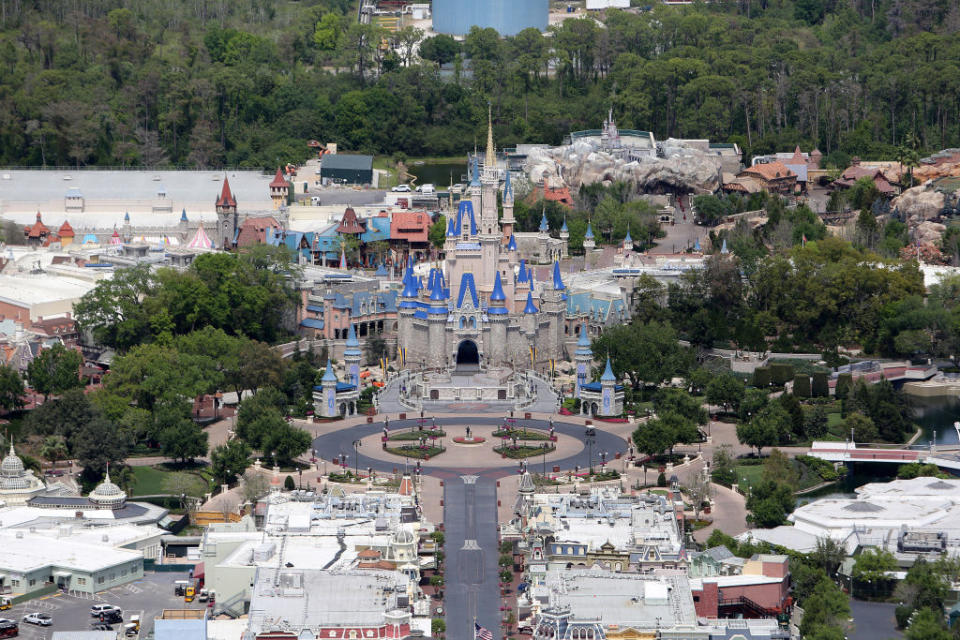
(774, 177)
(36, 232)
(410, 226)
(278, 180)
(226, 198)
(553, 194)
(855, 172)
(349, 223)
(254, 230)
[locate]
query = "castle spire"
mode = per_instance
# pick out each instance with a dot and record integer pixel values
(490, 162)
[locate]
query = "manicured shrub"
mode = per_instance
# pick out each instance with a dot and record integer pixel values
(780, 373)
(801, 386)
(844, 384)
(761, 377)
(820, 387)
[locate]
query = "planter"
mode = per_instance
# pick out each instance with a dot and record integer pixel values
(472, 440)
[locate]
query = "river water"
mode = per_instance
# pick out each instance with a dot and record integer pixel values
(438, 174)
(932, 415)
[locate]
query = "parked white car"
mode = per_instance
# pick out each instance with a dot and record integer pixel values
(404, 188)
(41, 619)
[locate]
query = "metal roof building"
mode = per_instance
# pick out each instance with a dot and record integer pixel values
(347, 168)
(508, 17)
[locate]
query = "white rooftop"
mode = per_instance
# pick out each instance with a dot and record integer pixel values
(661, 599)
(23, 552)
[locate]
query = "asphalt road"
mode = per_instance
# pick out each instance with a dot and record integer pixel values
(873, 620)
(470, 530)
(340, 442)
(147, 597)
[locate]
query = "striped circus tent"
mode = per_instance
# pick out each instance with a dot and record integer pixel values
(200, 240)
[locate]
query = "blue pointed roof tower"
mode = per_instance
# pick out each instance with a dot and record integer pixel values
(544, 224)
(468, 286)
(507, 187)
(724, 249)
(409, 286)
(557, 278)
(328, 374)
(530, 308)
(126, 217)
(583, 343)
(696, 244)
(352, 342)
(589, 233)
(183, 216)
(628, 239)
(608, 373)
(564, 227)
(522, 274)
(497, 298)
(512, 244)
(438, 297)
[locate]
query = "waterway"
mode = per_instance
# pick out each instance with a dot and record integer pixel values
(438, 174)
(932, 415)
(937, 414)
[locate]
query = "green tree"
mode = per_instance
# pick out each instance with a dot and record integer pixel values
(769, 503)
(286, 442)
(875, 568)
(928, 625)
(54, 448)
(440, 49)
(438, 232)
(726, 391)
(765, 429)
(861, 427)
(230, 460)
(828, 555)
(63, 416)
(96, 444)
(815, 423)
(55, 370)
(645, 353)
(113, 311)
(180, 437)
(779, 468)
(722, 471)
(664, 432)
(11, 388)
(259, 415)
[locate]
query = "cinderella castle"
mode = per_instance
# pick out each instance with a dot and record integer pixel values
(484, 307)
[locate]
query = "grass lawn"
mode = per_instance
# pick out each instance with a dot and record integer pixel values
(159, 480)
(748, 475)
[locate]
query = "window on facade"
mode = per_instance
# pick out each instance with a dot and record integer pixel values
(15, 583)
(81, 581)
(32, 582)
(100, 580)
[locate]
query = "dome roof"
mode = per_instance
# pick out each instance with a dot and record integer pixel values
(107, 493)
(12, 466)
(403, 536)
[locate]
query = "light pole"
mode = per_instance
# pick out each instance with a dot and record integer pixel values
(589, 437)
(356, 458)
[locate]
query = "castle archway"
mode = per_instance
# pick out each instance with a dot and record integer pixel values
(468, 356)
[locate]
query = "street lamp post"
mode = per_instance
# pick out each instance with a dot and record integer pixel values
(356, 458)
(589, 437)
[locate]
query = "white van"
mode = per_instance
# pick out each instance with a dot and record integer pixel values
(426, 189)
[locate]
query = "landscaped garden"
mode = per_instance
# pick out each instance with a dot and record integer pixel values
(517, 451)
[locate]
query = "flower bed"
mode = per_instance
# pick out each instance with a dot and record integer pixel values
(471, 440)
(415, 451)
(522, 451)
(416, 434)
(520, 434)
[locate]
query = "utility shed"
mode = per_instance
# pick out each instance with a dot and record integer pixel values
(347, 168)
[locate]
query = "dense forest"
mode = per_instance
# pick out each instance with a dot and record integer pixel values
(248, 82)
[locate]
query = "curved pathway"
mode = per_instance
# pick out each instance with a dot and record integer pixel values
(340, 442)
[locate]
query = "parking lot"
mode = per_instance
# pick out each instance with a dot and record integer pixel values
(147, 597)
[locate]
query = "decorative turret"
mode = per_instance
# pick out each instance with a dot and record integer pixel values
(530, 308)
(723, 250)
(497, 298)
(557, 278)
(437, 320)
(512, 244)
(564, 232)
(583, 357)
(351, 357)
(279, 189)
(588, 242)
(227, 220)
(608, 387)
(328, 392)
(544, 224)
(628, 241)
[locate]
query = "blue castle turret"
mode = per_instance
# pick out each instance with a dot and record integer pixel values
(351, 357)
(583, 357)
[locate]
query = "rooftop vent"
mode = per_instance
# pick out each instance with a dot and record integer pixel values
(861, 506)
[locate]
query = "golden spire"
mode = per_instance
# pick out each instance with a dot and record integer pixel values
(490, 162)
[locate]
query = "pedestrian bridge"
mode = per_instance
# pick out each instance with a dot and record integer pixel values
(944, 456)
